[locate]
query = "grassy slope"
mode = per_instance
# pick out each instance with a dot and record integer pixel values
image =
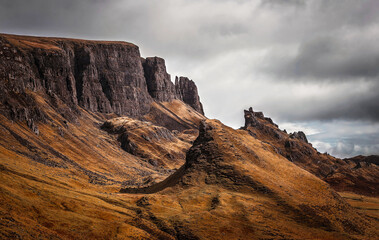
(365, 204)
(49, 202)
(63, 183)
(271, 199)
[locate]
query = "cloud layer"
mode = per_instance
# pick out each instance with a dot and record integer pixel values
(299, 61)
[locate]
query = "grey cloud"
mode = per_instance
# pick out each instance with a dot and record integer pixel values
(358, 100)
(273, 3)
(347, 139)
(296, 60)
(349, 148)
(330, 58)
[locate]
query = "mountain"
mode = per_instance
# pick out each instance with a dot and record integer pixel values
(359, 174)
(99, 76)
(98, 143)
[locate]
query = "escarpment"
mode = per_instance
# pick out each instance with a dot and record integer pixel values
(99, 76)
(187, 91)
(158, 80)
(161, 88)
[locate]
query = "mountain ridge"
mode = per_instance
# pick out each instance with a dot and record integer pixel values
(98, 142)
(86, 74)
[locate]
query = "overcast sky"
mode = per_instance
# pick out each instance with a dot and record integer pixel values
(311, 65)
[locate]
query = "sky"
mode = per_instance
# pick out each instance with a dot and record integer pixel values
(310, 65)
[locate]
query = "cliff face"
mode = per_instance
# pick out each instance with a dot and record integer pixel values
(158, 80)
(186, 90)
(162, 89)
(100, 76)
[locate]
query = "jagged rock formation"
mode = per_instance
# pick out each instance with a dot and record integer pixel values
(299, 135)
(99, 76)
(251, 118)
(158, 80)
(343, 175)
(162, 89)
(186, 90)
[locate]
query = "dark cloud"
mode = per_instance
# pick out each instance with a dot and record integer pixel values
(365, 106)
(330, 58)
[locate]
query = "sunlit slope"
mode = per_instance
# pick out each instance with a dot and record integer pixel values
(174, 115)
(62, 182)
(354, 175)
(234, 186)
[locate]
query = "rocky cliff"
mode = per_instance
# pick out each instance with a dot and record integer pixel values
(158, 80)
(161, 88)
(186, 90)
(99, 76)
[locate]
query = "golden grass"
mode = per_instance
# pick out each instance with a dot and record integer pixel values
(177, 111)
(40, 201)
(365, 204)
(153, 142)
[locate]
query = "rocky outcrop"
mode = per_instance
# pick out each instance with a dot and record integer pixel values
(162, 89)
(155, 145)
(158, 80)
(299, 135)
(99, 76)
(186, 90)
(355, 174)
(251, 119)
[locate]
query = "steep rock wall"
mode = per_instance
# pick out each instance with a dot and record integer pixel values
(158, 80)
(186, 90)
(99, 76)
(162, 89)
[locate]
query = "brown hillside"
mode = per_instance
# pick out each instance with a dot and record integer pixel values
(352, 175)
(234, 186)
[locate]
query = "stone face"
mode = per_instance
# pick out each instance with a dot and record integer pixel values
(299, 135)
(158, 80)
(186, 91)
(109, 78)
(162, 89)
(251, 119)
(99, 76)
